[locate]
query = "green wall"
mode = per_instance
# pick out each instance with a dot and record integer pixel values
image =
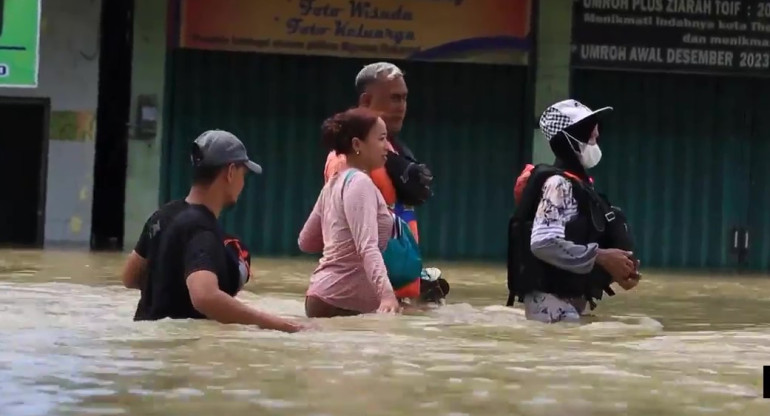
(686, 160)
(554, 25)
(144, 158)
(471, 136)
(143, 172)
(653, 223)
(672, 160)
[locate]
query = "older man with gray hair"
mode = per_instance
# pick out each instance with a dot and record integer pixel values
(404, 182)
(381, 87)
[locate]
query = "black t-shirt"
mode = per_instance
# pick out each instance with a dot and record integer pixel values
(177, 240)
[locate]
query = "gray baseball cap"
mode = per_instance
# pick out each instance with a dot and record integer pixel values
(219, 148)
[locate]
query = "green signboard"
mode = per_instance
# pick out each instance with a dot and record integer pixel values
(19, 42)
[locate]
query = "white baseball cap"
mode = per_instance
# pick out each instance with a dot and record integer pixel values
(564, 114)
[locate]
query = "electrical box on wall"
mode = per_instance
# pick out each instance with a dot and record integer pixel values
(146, 117)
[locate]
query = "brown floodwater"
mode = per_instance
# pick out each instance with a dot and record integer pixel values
(676, 345)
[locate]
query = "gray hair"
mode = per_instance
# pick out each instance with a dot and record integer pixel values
(376, 71)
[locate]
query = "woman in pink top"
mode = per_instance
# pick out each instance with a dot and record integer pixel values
(350, 224)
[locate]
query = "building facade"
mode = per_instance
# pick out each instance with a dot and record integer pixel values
(683, 150)
(66, 91)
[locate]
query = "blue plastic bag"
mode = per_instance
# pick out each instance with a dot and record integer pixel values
(402, 256)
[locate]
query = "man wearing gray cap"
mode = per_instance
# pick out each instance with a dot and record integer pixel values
(180, 263)
(566, 243)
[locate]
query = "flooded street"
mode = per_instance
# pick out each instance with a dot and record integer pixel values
(678, 345)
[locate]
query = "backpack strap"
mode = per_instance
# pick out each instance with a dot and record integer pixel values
(398, 225)
(348, 174)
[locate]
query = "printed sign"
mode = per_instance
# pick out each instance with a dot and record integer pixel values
(673, 35)
(19, 41)
(465, 30)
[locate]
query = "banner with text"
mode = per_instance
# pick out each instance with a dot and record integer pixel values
(706, 36)
(444, 30)
(19, 41)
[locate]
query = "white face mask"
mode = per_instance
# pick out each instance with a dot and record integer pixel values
(590, 155)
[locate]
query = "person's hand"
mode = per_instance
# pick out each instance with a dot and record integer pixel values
(294, 326)
(308, 326)
(629, 283)
(389, 305)
(632, 280)
(616, 262)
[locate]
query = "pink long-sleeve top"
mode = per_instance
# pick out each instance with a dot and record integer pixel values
(351, 232)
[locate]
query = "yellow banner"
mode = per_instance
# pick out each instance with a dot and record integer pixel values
(444, 30)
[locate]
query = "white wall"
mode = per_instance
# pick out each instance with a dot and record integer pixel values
(69, 76)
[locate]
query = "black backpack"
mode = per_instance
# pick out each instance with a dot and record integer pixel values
(411, 179)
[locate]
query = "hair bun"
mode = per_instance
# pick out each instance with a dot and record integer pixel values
(338, 131)
(335, 126)
(330, 131)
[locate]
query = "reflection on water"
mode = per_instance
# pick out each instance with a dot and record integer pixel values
(680, 345)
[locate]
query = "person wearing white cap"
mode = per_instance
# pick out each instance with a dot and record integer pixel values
(181, 264)
(559, 255)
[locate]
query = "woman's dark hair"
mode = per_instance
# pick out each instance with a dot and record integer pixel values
(339, 130)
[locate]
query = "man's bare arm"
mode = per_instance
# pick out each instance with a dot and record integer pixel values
(134, 271)
(217, 305)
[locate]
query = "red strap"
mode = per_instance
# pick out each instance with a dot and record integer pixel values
(521, 181)
(242, 253)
